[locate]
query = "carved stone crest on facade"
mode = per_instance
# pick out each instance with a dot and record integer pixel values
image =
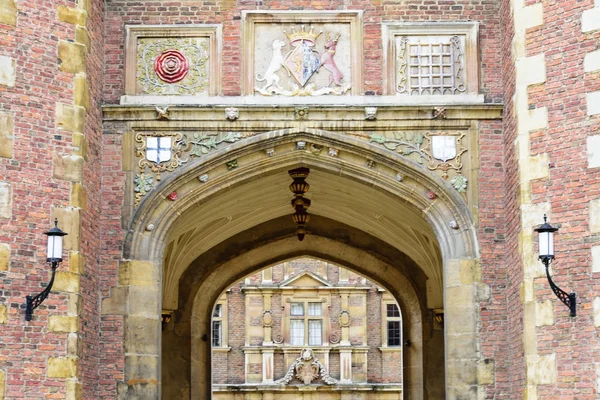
(443, 147)
(301, 62)
(307, 368)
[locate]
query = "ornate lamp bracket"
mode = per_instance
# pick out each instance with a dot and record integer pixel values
(546, 255)
(54, 257)
(568, 299)
(33, 302)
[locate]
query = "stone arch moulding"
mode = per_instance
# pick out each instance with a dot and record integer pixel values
(141, 272)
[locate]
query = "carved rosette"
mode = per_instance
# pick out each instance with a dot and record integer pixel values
(171, 66)
(177, 66)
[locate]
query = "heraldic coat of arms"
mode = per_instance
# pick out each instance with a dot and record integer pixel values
(301, 63)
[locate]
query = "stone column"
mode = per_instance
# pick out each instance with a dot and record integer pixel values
(267, 365)
(346, 365)
(345, 339)
(267, 318)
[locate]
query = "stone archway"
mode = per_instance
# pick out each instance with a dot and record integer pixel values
(436, 232)
(356, 259)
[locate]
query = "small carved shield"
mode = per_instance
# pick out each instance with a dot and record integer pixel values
(158, 149)
(302, 62)
(443, 147)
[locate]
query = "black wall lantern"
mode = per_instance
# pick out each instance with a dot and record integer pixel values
(54, 257)
(546, 251)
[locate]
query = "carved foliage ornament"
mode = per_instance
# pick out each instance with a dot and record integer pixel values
(437, 151)
(162, 152)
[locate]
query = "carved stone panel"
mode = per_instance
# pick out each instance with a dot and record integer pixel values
(431, 58)
(302, 53)
(172, 60)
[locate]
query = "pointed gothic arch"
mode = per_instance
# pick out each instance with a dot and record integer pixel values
(436, 233)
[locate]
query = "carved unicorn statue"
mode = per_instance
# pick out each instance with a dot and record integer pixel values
(328, 62)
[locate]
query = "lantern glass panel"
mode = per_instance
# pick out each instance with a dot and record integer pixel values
(546, 244)
(55, 247)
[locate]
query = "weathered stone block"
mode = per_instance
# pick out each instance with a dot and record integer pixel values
(142, 335)
(590, 20)
(138, 273)
(541, 370)
(8, 12)
(80, 144)
(60, 323)
(591, 61)
(143, 301)
(76, 262)
(2, 384)
(85, 5)
(4, 256)
(595, 259)
(74, 390)
(74, 345)
(593, 103)
(70, 118)
(78, 196)
(6, 135)
(116, 304)
(594, 210)
(529, 17)
(3, 314)
(62, 367)
(69, 220)
(5, 200)
(72, 56)
(66, 282)
(67, 168)
(141, 369)
(82, 36)
(531, 70)
(485, 372)
(460, 320)
(82, 91)
(75, 16)
(544, 313)
(8, 74)
(74, 304)
(593, 151)
(597, 312)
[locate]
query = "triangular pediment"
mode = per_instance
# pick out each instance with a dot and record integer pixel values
(305, 279)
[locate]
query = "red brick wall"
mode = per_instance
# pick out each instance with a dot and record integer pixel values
(91, 227)
(492, 241)
(111, 353)
(513, 381)
(569, 189)
(40, 85)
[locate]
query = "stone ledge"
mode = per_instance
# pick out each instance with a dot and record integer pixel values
(364, 101)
